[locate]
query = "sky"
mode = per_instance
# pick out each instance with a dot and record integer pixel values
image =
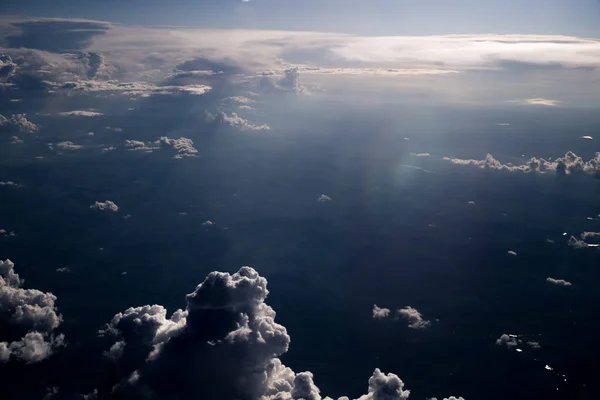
(317, 200)
(378, 17)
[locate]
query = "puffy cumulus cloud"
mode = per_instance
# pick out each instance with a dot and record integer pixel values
(136, 145)
(183, 147)
(7, 67)
(81, 113)
(559, 282)
(27, 312)
(67, 145)
(15, 140)
(239, 100)
(323, 198)
(287, 80)
(571, 163)
(414, 317)
(224, 345)
(379, 312)
(235, 121)
(105, 206)
(17, 123)
(449, 398)
(509, 341)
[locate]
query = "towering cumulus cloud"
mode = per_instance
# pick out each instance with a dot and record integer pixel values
(224, 345)
(27, 319)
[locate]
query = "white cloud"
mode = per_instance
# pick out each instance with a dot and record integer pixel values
(560, 282)
(67, 145)
(571, 163)
(538, 102)
(133, 89)
(16, 140)
(507, 341)
(587, 137)
(136, 145)
(63, 269)
(420, 154)
(512, 253)
(225, 344)
(323, 198)
(183, 147)
(414, 317)
(17, 123)
(8, 183)
(31, 311)
(235, 120)
(81, 113)
(380, 313)
(105, 206)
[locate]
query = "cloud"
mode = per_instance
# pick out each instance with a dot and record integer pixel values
(224, 345)
(587, 137)
(571, 163)
(81, 113)
(29, 312)
(136, 145)
(287, 82)
(17, 123)
(68, 145)
(132, 89)
(15, 140)
(56, 35)
(183, 147)
(63, 269)
(105, 206)
(414, 317)
(512, 253)
(560, 282)
(323, 198)
(8, 183)
(420, 154)
(576, 243)
(507, 341)
(538, 102)
(590, 236)
(380, 313)
(234, 120)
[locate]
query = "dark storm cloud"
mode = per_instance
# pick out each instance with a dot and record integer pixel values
(29, 314)
(224, 345)
(56, 35)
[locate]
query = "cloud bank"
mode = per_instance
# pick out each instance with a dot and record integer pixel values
(571, 163)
